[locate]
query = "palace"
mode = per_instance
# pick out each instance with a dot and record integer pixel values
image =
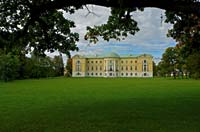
(112, 65)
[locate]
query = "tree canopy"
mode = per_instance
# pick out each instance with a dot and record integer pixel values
(40, 24)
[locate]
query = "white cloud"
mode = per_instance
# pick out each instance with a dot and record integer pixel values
(150, 39)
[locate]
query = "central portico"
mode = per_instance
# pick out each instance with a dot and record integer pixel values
(111, 68)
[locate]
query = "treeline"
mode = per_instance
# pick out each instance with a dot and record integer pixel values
(21, 67)
(178, 62)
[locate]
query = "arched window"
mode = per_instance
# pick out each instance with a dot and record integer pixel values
(78, 66)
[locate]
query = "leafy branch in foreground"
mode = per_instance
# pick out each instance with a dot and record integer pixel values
(118, 26)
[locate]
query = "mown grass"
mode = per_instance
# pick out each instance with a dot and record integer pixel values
(100, 105)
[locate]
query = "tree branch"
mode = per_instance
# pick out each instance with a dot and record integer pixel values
(170, 5)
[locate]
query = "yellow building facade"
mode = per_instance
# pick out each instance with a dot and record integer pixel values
(112, 65)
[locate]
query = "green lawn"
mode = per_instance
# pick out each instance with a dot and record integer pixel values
(100, 105)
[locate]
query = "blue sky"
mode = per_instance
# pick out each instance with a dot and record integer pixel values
(151, 38)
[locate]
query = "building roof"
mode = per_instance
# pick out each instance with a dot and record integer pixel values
(111, 55)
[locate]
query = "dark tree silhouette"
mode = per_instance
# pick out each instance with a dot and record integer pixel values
(39, 24)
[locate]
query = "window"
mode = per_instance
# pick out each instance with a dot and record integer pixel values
(131, 61)
(96, 74)
(145, 67)
(92, 74)
(135, 74)
(122, 68)
(136, 68)
(92, 68)
(78, 66)
(91, 61)
(131, 74)
(126, 62)
(110, 74)
(121, 61)
(100, 61)
(126, 74)
(78, 73)
(110, 66)
(88, 74)
(96, 68)
(145, 74)
(135, 61)
(131, 68)
(100, 68)
(88, 68)
(88, 62)
(127, 68)
(122, 74)
(96, 61)
(100, 74)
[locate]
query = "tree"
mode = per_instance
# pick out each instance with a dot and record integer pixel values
(39, 24)
(170, 59)
(69, 67)
(58, 65)
(9, 66)
(155, 69)
(193, 63)
(172, 62)
(186, 32)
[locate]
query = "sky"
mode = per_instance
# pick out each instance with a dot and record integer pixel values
(151, 39)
